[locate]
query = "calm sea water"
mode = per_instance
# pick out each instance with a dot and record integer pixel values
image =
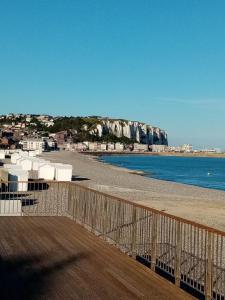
(204, 172)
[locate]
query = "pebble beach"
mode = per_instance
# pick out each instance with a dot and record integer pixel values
(201, 205)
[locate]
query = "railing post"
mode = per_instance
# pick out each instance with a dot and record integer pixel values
(154, 240)
(208, 279)
(178, 249)
(93, 213)
(57, 198)
(74, 203)
(69, 202)
(105, 218)
(134, 232)
(84, 207)
(118, 222)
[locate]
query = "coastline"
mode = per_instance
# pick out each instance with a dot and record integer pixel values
(201, 205)
(176, 154)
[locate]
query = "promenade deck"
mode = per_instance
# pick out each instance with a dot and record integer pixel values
(55, 258)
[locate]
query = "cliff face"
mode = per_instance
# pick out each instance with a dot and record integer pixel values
(138, 131)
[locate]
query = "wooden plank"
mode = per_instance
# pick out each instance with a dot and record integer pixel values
(54, 258)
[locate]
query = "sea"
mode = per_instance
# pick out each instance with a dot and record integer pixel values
(199, 171)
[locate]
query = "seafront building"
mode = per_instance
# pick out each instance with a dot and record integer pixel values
(119, 147)
(33, 144)
(158, 148)
(183, 148)
(41, 144)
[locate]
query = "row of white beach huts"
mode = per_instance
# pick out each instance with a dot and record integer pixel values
(25, 165)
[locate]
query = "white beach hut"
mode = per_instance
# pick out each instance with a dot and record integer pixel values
(19, 179)
(19, 159)
(2, 155)
(26, 164)
(38, 152)
(14, 157)
(12, 167)
(46, 172)
(37, 162)
(10, 207)
(24, 153)
(63, 172)
(32, 153)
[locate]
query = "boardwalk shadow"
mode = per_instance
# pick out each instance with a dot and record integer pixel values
(79, 178)
(33, 277)
(29, 202)
(37, 185)
(12, 196)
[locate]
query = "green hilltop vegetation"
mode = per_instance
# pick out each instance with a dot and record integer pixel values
(74, 123)
(78, 128)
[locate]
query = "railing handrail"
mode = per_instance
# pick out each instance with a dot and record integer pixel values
(153, 210)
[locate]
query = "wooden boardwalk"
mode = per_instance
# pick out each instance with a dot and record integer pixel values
(54, 258)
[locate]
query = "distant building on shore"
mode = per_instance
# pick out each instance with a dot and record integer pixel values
(119, 147)
(213, 150)
(60, 137)
(158, 148)
(140, 147)
(187, 148)
(33, 144)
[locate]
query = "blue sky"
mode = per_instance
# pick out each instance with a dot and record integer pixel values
(161, 62)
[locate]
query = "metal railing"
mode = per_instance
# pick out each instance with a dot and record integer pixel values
(190, 254)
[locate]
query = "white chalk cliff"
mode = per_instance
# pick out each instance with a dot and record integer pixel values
(141, 132)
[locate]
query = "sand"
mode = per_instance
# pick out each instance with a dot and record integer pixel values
(201, 205)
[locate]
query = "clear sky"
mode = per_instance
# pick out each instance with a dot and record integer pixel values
(161, 62)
